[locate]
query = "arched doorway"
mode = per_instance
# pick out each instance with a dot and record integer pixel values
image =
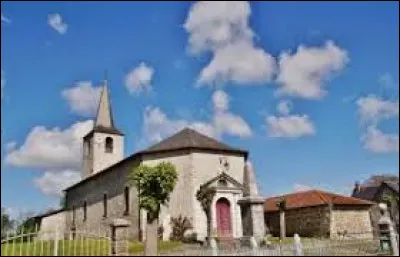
(224, 221)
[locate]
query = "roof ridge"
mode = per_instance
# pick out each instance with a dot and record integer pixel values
(320, 194)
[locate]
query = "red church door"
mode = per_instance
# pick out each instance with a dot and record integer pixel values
(224, 218)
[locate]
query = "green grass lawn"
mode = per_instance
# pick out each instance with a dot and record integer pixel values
(77, 247)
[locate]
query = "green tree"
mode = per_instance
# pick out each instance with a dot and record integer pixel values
(156, 185)
(7, 223)
(205, 196)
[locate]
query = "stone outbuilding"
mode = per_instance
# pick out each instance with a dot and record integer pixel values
(317, 213)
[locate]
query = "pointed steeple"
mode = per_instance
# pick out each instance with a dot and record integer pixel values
(104, 120)
(104, 116)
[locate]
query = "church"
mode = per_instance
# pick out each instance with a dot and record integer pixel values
(104, 193)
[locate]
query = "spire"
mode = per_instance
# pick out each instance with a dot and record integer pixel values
(104, 115)
(249, 181)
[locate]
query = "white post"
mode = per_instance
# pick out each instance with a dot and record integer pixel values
(298, 248)
(253, 245)
(55, 250)
(214, 247)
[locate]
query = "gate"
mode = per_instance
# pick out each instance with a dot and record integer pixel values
(54, 243)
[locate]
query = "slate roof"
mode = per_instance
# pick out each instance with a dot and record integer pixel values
(393, 185)
(185, 139)
(102, 129)
(191, 139)
(312, 198)
(370, 192)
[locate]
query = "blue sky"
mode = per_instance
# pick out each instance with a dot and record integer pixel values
(330, 67)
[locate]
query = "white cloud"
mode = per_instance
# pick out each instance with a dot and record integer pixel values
(293, 126)
(373, 109)
(222, 28)
(305, 73)
(301, 188)
(386, 81)
(139, 79)
(5, 19)
(241, 63)
(231, 124)
(378, 142)
(56, 22)
(10, 146)
(3, 82)
(83, 99)
(157, 125)
(53, 182)
(51, 148)
(284, 107)
(220, 101)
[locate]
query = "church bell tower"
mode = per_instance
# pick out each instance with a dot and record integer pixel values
(103, 146)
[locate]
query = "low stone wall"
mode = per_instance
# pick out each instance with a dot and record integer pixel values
(351, 222)
(50, 224)
(307, 222)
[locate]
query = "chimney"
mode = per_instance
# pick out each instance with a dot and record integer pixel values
(357, 188)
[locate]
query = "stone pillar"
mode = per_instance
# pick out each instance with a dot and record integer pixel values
(253, 218)
(252, 206)
(387, 236)
(119, 237)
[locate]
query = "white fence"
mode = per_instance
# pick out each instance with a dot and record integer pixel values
(72, 243)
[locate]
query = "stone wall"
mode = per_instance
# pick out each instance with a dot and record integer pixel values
(307, 222)
(112, 183)
(353, 221)
(50, 224)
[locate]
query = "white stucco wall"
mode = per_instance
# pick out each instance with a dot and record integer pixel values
(205, 168)
(180, 201)
(50, 224)
(194, 169)
(96, 159)
(103, 159)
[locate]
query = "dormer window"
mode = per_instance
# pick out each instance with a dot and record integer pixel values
(109, 145)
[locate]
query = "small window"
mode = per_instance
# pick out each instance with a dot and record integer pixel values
(222, 183)
(109, 145)
(84, 211)
(126, 196)
(73, 215)
(105, 205)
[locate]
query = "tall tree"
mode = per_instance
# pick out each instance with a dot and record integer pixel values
(156, 185)
(205, 196)
(7, 223)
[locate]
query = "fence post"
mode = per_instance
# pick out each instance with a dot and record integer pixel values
(298, 247)
(253, 245)
(55, 252)
(118, 227)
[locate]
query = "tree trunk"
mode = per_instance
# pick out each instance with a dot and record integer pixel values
(209, 225)
(151, 243)
(282, 224)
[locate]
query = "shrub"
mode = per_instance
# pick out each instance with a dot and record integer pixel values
(179, 227)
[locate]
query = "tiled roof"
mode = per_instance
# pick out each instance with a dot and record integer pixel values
(312, 198)
(190, 139)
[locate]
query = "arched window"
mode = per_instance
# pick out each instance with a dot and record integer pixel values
(84, 210)
(105, 205)
(126, 196)
(109, 145)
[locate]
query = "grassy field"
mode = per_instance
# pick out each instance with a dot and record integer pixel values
(77, 247)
